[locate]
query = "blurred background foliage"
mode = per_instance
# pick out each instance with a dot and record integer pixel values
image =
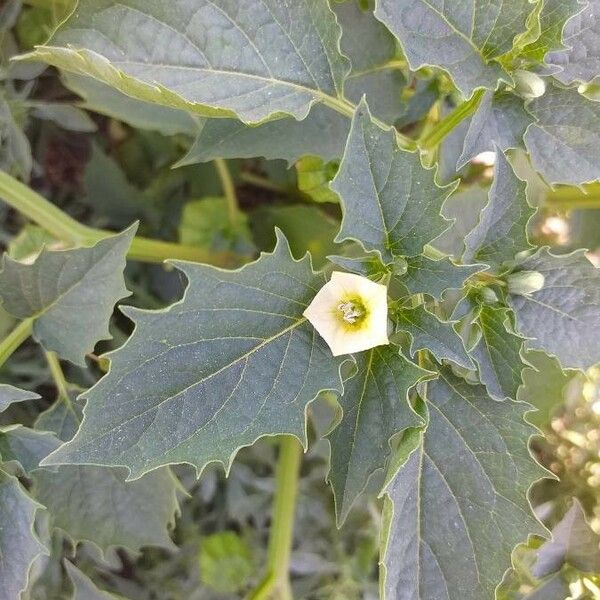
(107, 173)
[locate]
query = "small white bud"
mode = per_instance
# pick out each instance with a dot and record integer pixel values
(528, 84)
(524, 283)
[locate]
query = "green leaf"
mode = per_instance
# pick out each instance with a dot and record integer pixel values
(458, 505)
(83, 587)
(580, 60)
(568, 306)
(391, 203)
(254, 61)
(376, 71)
(65, 115)
(62, 418)
(434, 277)
(498, 353)
(242, 363)
(226, 562)
(567, 126)
(376, 408)
(26, 447)
(322, 133)
(427, 332)
(314, 176)
(544, 383)
(97, 504)
(553, 16)
(461, 38)
(19, 546)
(307, 229)
(31, 239)
(79, 287)
(102, 98)
(10, 394)
(502, 229)
(206, 223)
(500, 120)
(573, 542)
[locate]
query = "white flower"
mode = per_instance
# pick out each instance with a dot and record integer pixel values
(350, 313)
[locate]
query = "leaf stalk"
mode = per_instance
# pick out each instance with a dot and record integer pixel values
(14, 339)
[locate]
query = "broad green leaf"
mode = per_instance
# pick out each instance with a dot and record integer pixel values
(97, 504)
(10, 394)
(553, 16)
(65, 115)
(567, 126)
(427, 332)
(434, 277)
(544, 383)
(498, 353)
(83, 587)
(458, 505)
(568, 307)
(462, 38)
(19, 545)
(502, 229)
(376, 71)
(322, 133)
(376, 408)
(249, 60)
(102, 98)
(207, 223)
(76, 287)
(61, 418)
(26, 447)
(500, 121)
(242, 362)
(580, 60)
(307, 229)
(573, 542)
(391, 203)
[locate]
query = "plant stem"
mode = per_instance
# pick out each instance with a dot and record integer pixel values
(570, 197)
(433, 138)
(14, 339)
(228, 190)
(276, 582)
(58, 376)
(63, 227)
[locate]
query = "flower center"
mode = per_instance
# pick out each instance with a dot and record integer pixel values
(351, 311)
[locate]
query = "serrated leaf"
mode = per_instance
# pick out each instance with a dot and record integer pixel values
(391, 203)
(573, 542)
(568, 306)
(553, 16)
(376, 408)
(19, 546)
(462, 38)
(76, 287)
(97, 504)
(567, 126)
(502, 229)
(434, 277)
(458, 505)
(500, 120)
(427, 332)
(83, 587)
(322, 133)
(249, 60)
(544, 383)
(498, 353)
(26, 447)
(580, 61)
(242, 362)
(10, 394)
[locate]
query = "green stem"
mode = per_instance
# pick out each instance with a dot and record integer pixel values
(228, 190)
(433, 138)
(63, 227)
(570, 197)
(14, 339)
(276, 582)
(58, 376)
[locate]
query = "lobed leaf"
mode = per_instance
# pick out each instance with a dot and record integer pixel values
(458, 504)
(10, 394)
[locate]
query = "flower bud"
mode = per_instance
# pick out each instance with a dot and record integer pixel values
(524, 283)
(528, 84)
